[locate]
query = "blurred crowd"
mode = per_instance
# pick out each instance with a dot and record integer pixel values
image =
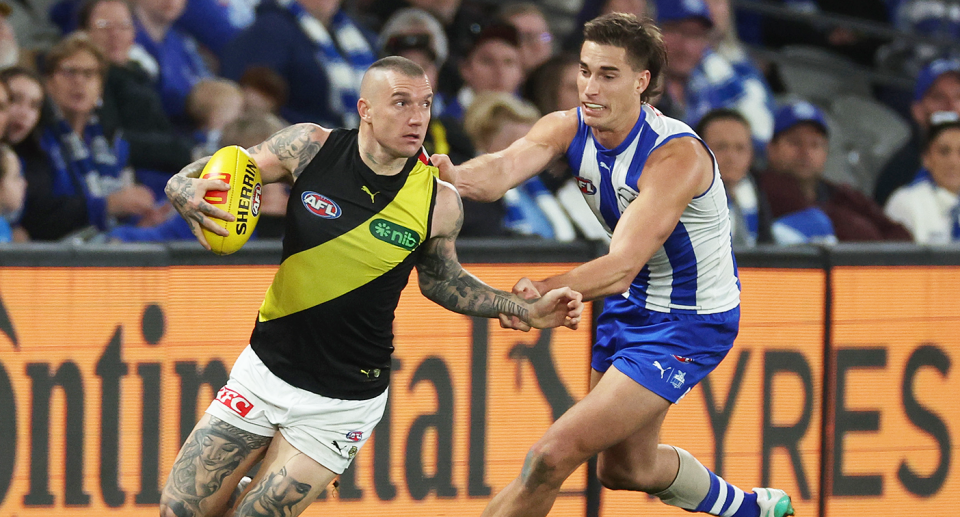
(131, 91)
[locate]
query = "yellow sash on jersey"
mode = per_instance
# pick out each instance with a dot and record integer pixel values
(338, 266)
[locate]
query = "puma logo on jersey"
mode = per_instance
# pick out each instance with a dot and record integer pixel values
(604, 166)
(662, 370)
(371, 194)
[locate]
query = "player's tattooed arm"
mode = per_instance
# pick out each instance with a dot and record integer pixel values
(294, 147)
(211, 454)
(443, 280)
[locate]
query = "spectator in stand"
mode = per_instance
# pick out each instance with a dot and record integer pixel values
(856, 46)
(4, 108)
(211, 22)
(727, 133)
(212, 104)
(593, 8)
(13, 190)
(76, 173)
(494, 121)
(935, 19)
(728, 43)
(536, 40)
(129, 101)
(491, 65)
(264, 90)
(553, 85)
(26, 101)
(9, 48)
(930, 206)
(434, 47)
(699, 79)
(937, 89)
(172, 58)
(316, 48)
(799, 195)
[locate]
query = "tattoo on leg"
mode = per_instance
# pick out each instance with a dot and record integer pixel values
(211, 454)
(534, 472)
(275, 496)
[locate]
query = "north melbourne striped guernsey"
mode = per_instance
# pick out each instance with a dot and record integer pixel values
(694, 272)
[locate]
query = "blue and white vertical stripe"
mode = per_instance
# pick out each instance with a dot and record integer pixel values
(694, 272)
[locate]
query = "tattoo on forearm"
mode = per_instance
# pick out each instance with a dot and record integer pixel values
(210, 455)
(293, 146)
(507, 306)
(443, 280)
(277, 495)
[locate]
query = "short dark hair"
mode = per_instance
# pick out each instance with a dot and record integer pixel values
(8, 74)
(639, 37)
(720, 114)
(937, 129)
(544, 82)
(398, 64)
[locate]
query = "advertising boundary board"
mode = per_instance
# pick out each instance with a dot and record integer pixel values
(828, 260)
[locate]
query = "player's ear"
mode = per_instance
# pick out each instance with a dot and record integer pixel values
(643, 81)
(363, 108)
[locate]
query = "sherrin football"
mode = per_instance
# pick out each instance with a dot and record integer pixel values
(234, 166)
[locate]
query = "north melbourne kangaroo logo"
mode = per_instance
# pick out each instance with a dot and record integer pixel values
(371, 194)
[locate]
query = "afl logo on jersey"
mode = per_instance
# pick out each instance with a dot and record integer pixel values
(320, 205)
(586, 186)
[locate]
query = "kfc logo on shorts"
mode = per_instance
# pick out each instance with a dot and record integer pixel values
(355, 436)
(586, 186)
(234, 401)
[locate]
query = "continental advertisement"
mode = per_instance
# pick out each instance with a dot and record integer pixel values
(895, 412)
(104, 372)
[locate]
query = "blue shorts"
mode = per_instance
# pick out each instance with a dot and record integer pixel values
(666, 353)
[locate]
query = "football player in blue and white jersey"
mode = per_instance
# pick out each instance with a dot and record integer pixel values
(669, 282)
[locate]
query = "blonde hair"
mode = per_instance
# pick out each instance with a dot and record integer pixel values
(250, 129)
(208, 95)
(73, 44)
(490, 110)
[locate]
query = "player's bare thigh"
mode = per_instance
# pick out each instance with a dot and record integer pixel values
(635, 463)
(287, 482)
(211, 462)
(615, 409)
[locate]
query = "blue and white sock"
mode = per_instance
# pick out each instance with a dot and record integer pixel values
(696, 489)
(727, 500)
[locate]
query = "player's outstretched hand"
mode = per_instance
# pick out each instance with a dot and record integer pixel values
(448, 171)
(526, 290)
(186, 195)
(562, 306)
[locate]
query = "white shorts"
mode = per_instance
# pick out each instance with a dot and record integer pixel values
(330, 431)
